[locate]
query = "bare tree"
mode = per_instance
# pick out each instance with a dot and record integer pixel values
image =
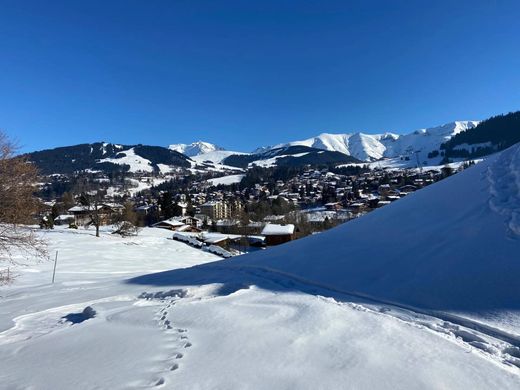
(126, 222)
(18, 205)
(91, 201)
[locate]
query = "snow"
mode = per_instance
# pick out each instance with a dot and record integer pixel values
(272, 229)
(398, 163)
(216, 156)
(171, 222)
(448, 247)
(195, 148)
(271, 162)
(136, 162)
(422, 293)
(369, 147)
(226, 180)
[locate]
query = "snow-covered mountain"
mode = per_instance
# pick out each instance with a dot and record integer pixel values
(367, 147)
(195, 148)
(216, 156)
(107, 157)
(289, 156)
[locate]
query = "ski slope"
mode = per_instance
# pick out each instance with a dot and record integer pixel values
(422, 293)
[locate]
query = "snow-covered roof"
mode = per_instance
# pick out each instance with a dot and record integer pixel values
(78, 208)
(170, 222)
(64, 217)
(215, 240)
(272, 229)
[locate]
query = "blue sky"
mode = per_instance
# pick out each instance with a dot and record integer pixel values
(244, 74)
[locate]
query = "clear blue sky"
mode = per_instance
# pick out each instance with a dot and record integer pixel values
(248, 73)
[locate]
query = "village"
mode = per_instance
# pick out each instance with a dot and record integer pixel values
(236, 217)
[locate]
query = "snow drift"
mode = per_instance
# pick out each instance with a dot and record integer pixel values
(453, 246)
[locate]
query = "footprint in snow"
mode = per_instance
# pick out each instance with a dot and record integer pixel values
(160, 382)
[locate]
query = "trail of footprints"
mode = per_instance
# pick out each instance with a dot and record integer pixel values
(179, 336)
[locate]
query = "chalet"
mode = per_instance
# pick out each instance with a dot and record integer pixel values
(145, 209)
(407, 188)
(106, 211)
(278, 234)
(192, 221)
(333, 206)
(169, 224)
(383, 189)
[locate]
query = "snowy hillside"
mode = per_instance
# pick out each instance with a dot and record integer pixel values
(195, 148)
(129, 158)
(288, 156)
(112, 320)
(368, 147)
(422, 293)
(107, 157)
(216, 156)
(451, 247)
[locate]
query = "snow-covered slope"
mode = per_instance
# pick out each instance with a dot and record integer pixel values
(421, 294)
(195, 148)
(375, 146)
(134, 161)
(226, 180)
(451, 247)
(281, 318)
(216, 156)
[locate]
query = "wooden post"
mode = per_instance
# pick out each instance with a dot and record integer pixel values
(54, 271)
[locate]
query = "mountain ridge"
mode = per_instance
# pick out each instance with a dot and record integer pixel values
(371, 147)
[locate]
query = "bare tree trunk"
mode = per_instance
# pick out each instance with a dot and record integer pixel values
(18, 204)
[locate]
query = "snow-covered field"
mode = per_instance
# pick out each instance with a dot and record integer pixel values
(422, 294)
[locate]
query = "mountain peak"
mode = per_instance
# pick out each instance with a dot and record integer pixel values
(195, 148)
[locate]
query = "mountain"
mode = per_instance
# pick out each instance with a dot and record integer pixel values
(369, 147)
(107, 157)
(289, 156)
(491, 135)
(195, 148)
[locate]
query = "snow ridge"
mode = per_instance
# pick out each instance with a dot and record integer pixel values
(504, 187)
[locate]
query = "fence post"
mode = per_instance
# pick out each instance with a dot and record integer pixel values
(54, 270)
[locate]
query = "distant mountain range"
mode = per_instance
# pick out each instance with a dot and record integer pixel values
(370, 147)
(107, 157)
(460, 139)
(362, 146)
